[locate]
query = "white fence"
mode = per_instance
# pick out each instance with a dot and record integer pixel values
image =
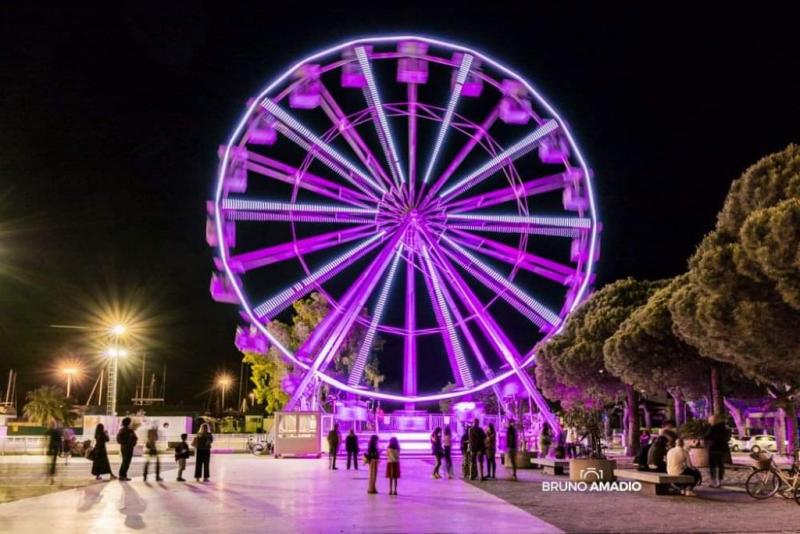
(38, 444)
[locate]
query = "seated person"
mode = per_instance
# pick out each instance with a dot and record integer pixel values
(656, 456)
(680, 463)
(640, 460)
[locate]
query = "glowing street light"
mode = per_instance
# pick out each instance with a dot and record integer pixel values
(114, 354)
(223, 381)
(118, 329)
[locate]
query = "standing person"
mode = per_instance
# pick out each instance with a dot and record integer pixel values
(465, 453)
(151, 448)
(334, 437)
(447, 445)
(680, 463)
(100, 463)
(351, 446)
(437, 451)
(181, 455)
(372, 458)
(127, 439)
(202, 444)
(511, 448)
(54, 439)
(491, 451)
(716, 441)
(477, 446)
(393, 464)
(571, 442)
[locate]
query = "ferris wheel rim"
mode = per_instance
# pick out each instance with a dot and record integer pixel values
(243, 300)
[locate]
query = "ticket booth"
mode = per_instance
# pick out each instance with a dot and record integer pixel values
(297, 434)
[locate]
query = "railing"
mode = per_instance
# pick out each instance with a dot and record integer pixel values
(38, 444)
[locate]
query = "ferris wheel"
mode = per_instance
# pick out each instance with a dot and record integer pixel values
(423, 182)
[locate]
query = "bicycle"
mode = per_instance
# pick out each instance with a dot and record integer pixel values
(768, 479)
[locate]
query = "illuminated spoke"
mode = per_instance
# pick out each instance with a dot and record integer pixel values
(382, 124)
(452, 344)
(327, 338)
(301, 135)
(512, 192)
(494, 334)
(474, 140)
(305, 180)
(266, 210)
(461, 77)
(357, 371)
(248, 261)
(412, 139)
(552, 270)
(519, 224)
(518, 149)
(351, 135)
(275, 304)
(542, 316)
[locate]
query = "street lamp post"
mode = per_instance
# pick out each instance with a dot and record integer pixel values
(224, 381)
(114, 354)
(70, 372)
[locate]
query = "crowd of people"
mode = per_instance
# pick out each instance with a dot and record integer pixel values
(667, 453)
(478, 450)
(97, 452)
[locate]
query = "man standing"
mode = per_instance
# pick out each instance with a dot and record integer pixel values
(351, 446)
(127, 439)
(334, 437)
(477, 445)
(511, 448)
(716, 442)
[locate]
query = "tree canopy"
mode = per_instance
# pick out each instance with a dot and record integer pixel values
(741, 303)
(48, 404)
(646, 353)
(571, 366)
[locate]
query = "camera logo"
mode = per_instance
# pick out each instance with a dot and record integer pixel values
(591, 474)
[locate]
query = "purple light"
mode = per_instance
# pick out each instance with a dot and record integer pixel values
(371, 193)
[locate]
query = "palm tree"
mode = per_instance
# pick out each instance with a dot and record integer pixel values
(48, 404)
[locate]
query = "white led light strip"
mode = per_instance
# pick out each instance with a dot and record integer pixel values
(520, 148)
(537, 220)
(361, 360)
(461, 362)
(324, 147)
(284, 298)
(536, 306)
(383, 131)
(461, 77)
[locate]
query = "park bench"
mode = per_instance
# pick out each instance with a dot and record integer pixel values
(551, 466)
(653, 483)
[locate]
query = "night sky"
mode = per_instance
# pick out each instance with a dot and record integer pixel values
(110, 122)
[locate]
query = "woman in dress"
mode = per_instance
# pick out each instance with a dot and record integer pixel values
(393, 464)
(100, 464)
(437, 450)
(372, 457)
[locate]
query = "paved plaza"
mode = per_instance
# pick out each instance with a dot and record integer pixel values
(264, 494)
(267, 495)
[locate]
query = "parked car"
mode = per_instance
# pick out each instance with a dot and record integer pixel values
(735, 444)
(761, 442)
